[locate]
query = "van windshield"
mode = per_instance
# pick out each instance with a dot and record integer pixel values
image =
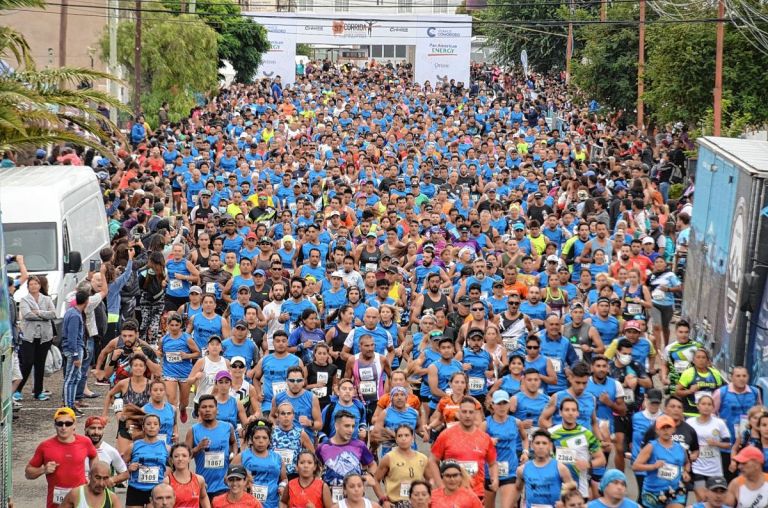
(35, 241)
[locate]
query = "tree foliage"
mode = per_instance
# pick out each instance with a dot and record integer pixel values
(178, 60)
(242, 41)
(39, 106)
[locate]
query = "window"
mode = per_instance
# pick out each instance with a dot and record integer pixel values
(341, 5)
(389, 51)
(36, 241)
(405, 6)
(400, 51)
(305, 5)
(376, 51)
(440, 6)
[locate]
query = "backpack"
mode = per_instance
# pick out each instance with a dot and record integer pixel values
(53, 361)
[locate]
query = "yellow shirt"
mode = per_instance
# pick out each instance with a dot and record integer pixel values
(403, 471)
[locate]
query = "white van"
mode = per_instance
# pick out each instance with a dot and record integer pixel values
(54, 216)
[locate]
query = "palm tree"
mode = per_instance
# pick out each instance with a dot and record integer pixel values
(41, 106)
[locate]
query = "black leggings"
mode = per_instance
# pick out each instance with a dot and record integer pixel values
(33, 354)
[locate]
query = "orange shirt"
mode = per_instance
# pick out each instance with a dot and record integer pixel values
(518, 286)
(413, 401)
(448, 408)
(463, 497)
(472, 450)
(247, 501)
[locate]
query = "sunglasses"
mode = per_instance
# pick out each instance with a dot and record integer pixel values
(513, 302)
(478, 309)
(64, 423)
(451, 475)
(532, 347)
(295, 380)
(237, 366)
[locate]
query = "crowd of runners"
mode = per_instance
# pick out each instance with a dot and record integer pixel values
(309, 284)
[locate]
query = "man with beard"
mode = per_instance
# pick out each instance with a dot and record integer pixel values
(424, 270)
(292, 308)
(514, 326)
(584, 337)
(574, 248)
(93, 493)
(108, 454)
(272, 312)
(122, 349)
(214, 279)
(431, 300)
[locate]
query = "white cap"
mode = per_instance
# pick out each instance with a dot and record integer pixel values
(338, 273)
(648, 240)
(552, 258)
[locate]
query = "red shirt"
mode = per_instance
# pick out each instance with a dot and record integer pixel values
(70, 458)
(247, 501)
(462, 498)
(300, 496)
(473, 450)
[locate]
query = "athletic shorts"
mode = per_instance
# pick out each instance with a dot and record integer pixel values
(508, 481)
(136, 497)
(649, 500)
(662, 314)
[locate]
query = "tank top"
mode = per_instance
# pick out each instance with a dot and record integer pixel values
(177, 288)
(202, 261)
(669, 476)
(606, 247)
(337, 344)
(751, 498)
(578, 336)
(556, 302)
(136, 398)
(83, 502)
(343, 504)
(369, 378)
(301, 496)
(542, 484)
(430, 304)
(632, 308)
(207, 382)
(187, 494)
(403, 471)
(513, 333)
(287, 444)
(508, 442)
(370, 260)
(227, 411)
(266, 474)
(243, 394)
(203, 327)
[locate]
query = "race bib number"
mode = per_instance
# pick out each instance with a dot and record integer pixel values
(470, 467)
(175, 284)
(657, 294)
(557, 365)
(210, 287)
(510, 344)
(366, 374)
(214, 460)
(371, 267)
(368, 388)
(669, 472)
(117, 405)
(629, 396)
(286, 455)
(320, 391)
(322, 377)
(279, 387)
(476, 383)
(503, 468)
(698, 395)
(634, 308)
(707, 452)
(59, 493)
(405, 490)
(337, 494)
(149, 474)
(681, 366)
(565, 456)
(173, 357)
(210, 379)
(260, 492)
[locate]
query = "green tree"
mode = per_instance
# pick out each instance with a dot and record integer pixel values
(680, 73)
(242, 41)
(605, 68)
(178, 61)
(37, 106)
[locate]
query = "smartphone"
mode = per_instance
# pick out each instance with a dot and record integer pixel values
(95, 265)
(136, 237)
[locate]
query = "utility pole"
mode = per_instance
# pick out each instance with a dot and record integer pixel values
(603, 10)
(641, 69)
(63, 32)
(569, 45)
(137, 61)
(113, 55)
(718, 111)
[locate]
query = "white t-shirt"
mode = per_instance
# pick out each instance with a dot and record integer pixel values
(110, 455)
(709, 463)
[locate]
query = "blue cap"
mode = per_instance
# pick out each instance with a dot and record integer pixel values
(220, 179)
(518, 226)
(610, 476)
(500, 396)
(259, 272)
(589, 173)
(40, 153)
(619, 186)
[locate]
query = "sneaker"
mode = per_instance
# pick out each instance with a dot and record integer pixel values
(102, 382)
(43, 396)
(183, 415)
(16, 405)
(47, 392)
(17, 396)
(78, 411)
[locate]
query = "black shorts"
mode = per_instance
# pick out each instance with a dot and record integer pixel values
(174, 302)
(425, 398)
(122, 430)
(136, 497)
(622, 424)
(508, 481)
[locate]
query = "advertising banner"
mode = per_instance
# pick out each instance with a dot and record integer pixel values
(444, 54)
(280, 60)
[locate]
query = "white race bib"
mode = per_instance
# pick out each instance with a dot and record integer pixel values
(337, 494)
(279, 387)
(371, 267)
(657, 294)
(367, 387)
(322, 377)
(210, 287)
(565, 456)
(260, 492)
(405, 490)
(175, 284)
(366, 374)
(510, 343)
(668, 472)
(557, 365)
(470, 467)
(629, 396)
(59, 493)
(117, 405)
(476, 383)
(503, 468)
(149, 474)
(681, 365)
(286, 455)
(320, 391)
(173, 357)
(707, 452)
(634, 308)
(213, 460)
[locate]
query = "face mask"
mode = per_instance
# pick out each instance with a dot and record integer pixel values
(625, 359)
(222, 210)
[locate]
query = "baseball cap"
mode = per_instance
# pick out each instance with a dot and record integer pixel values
(717, 482)
(749, 453)
(338, 273)
(259, 271)
(633, 324)
(265, 239)
(64, 411)
(250, 236)
(196, 289)
(214, 337)
(500, 396)
(667, 421)
(243, 286)
(654, 395)
(223, 374)
(476, 333)
(236, 472)
(238, 359)
(464, 300)
(553, 259)
(648, 240)
(241, 323)
(463, 228)
(443, 338)
(287, 238)
(371, 234)
(205, 192)
(519, 226)
(538, 195)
